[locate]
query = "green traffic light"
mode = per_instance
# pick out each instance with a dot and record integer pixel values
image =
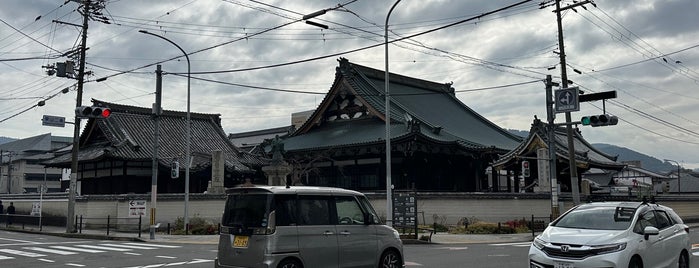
(585, 120)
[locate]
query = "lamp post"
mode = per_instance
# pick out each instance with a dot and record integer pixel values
(188, 137)
(678, 175)
(389, 185)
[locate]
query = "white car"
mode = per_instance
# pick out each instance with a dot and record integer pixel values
(613, 234)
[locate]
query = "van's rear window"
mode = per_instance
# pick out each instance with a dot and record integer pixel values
(249, 210)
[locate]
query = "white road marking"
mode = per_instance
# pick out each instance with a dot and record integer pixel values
(409, 263)
(103, 248)
(499, 255)
(45, 260)
(152, 245)
(22, 253)
(199, 261)
(455, 248)
(75, 264)
(154, 265)
(78, 249)
(514, 244)
(132, 253)
(176, 263)
(126, 246)
(54, 251)
(6, 257)
(18, 241)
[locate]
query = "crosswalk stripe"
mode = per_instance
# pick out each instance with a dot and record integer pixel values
(78, 249)
(54, 251)
(126, 246)
(152, 245)
(6, 257)
(22, 253)
(103, 248)
(516, 244)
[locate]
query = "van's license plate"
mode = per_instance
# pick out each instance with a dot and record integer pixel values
(240, 241)
(563, 265)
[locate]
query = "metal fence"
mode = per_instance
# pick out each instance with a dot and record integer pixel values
(110, 224)
(31, 221)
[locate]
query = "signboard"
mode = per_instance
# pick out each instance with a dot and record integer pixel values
(567, 100)
(53, 121)
(137, 208)
(405, 209)
(36, 209)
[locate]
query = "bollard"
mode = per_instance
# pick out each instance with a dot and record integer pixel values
(107, 225)
(80, 226)
(139, 226)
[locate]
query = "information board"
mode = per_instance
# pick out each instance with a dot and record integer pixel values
(405, 210)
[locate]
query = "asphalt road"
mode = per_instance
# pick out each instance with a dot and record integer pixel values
(489, 255)
(20, 250)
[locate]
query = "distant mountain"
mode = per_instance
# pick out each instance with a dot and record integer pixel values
(647, 162)
(625, 154)
(6, 139)
(520, 133)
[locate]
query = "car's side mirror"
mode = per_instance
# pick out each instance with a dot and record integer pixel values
(650, 230)
(369, 219)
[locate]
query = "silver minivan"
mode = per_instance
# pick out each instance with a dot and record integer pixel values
(301, 226)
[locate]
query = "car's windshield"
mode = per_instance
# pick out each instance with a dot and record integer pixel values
(249, 210)
(597, 218)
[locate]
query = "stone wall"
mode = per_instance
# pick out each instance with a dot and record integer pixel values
(449, 207)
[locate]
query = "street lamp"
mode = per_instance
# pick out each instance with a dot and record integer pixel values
(678, 175)
(389, 198)
(188, 138)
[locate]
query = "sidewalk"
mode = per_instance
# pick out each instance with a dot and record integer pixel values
(438, 238)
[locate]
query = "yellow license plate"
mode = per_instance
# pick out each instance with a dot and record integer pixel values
(240, 241)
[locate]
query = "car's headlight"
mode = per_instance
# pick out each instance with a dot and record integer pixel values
(604, 249)
(539, 243)
(396, 234)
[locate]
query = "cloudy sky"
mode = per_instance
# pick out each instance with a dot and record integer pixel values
(254, 63)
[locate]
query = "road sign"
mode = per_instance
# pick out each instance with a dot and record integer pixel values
(137, 208)
(567, 100)
(53, 121)
(598, 96)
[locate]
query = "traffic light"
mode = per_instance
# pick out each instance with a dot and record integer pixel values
(93, 112)
(599, 120)
(175, 170)
(525, 169)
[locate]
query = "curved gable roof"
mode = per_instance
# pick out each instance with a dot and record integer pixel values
(432, 106)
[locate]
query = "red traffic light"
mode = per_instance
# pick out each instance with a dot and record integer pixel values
(106, 112)
(93, 112)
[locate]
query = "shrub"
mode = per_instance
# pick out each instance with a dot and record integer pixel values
(197, 226)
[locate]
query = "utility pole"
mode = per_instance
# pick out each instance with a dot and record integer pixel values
(157, 111)
(575, 191)
(70, 220)
(551, 117)
(90, 10)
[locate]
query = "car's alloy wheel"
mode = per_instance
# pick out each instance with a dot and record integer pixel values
(390, 259)
(684, 261)
(635, 263)
(290, 263)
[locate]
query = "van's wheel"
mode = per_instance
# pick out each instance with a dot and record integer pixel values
(390, 259)
(636, 262)
(684, 260)
(290, 263)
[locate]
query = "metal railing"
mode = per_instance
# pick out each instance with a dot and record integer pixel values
(110, 224)
(31, 221)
